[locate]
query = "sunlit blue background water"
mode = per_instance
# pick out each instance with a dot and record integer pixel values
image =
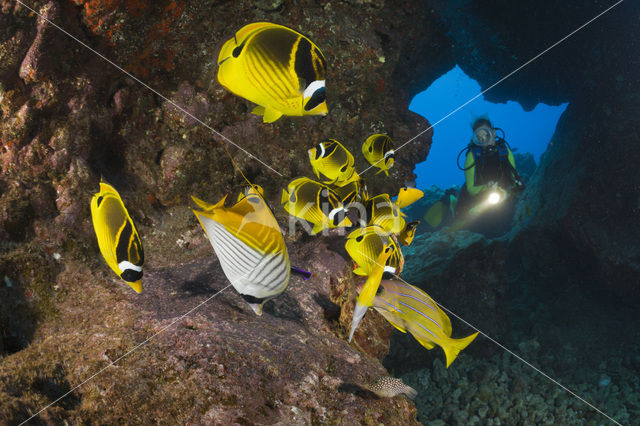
(527, 131)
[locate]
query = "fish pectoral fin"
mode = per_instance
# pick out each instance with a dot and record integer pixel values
(271, 115)
(258, 110)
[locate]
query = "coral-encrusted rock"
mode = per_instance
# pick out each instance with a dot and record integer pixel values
(222, 363)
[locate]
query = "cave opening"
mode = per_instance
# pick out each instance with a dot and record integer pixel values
(527, 132)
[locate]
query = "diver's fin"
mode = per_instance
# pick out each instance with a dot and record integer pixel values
(304, 274)
(271, 115)
(258, 110)
(434, 215)
(453, 347)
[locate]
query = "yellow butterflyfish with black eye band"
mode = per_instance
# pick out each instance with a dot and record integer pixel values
(378, 150)
(275, 67)
(249, 244)
(364, 245)
(370, 288)
(385, 213)
(332, 160)
(406, 236)
(408, 196)
(118, 237)
(316, 203)
(253, 189)
(408, 308)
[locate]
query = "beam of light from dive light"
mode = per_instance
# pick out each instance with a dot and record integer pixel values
(494, 198)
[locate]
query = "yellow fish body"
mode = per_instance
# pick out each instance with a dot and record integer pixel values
(378, 150)
(370, 288)
(364, 245)
(314, 202)
(408, 196)
(385, 213)
(249, 244)
(351, 193)
(118, 238)
(331, 159)
(410, 309)
(409, 231)
(275, 67)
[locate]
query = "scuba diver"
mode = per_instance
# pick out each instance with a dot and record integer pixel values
(486, 201)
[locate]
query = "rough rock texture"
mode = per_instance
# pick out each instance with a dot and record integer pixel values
(68, 117)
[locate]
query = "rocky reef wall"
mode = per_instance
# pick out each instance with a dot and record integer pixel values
(69, 117)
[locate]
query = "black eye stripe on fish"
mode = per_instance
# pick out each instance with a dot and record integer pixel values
(318, 97)
(238, 50)
(131, 276)
(100, 198)
(306, 64)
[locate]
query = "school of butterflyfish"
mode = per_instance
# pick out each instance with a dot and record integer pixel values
(283, 73)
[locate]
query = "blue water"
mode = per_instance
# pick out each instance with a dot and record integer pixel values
(527, 131)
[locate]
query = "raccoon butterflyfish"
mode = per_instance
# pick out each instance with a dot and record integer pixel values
(408, 196)
(370, 288)
(249, 244)
(352, 193)
(118, 238)
(410, 309)
(409, 231)
(331, 159)
(275, 67)
(389, 387)
(385, 213)
(364, 245)
(316, 203)
(378, 150)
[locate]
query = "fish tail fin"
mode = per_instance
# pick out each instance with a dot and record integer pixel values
(454, 346)
(381, 170)
(271, 115)
(284, 197)
(258, 110)
(409, 392)
(386, 172)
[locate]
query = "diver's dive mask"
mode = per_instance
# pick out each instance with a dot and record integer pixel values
(484, 136)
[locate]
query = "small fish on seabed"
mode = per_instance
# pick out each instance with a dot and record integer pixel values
(249, 244)
(408, 308)
(275, 67)
(118, 238)
(408, 196)
(406, 236)
(389, 387)
(316, 203)
(364, 245)
(378, 150)
(331, 159)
